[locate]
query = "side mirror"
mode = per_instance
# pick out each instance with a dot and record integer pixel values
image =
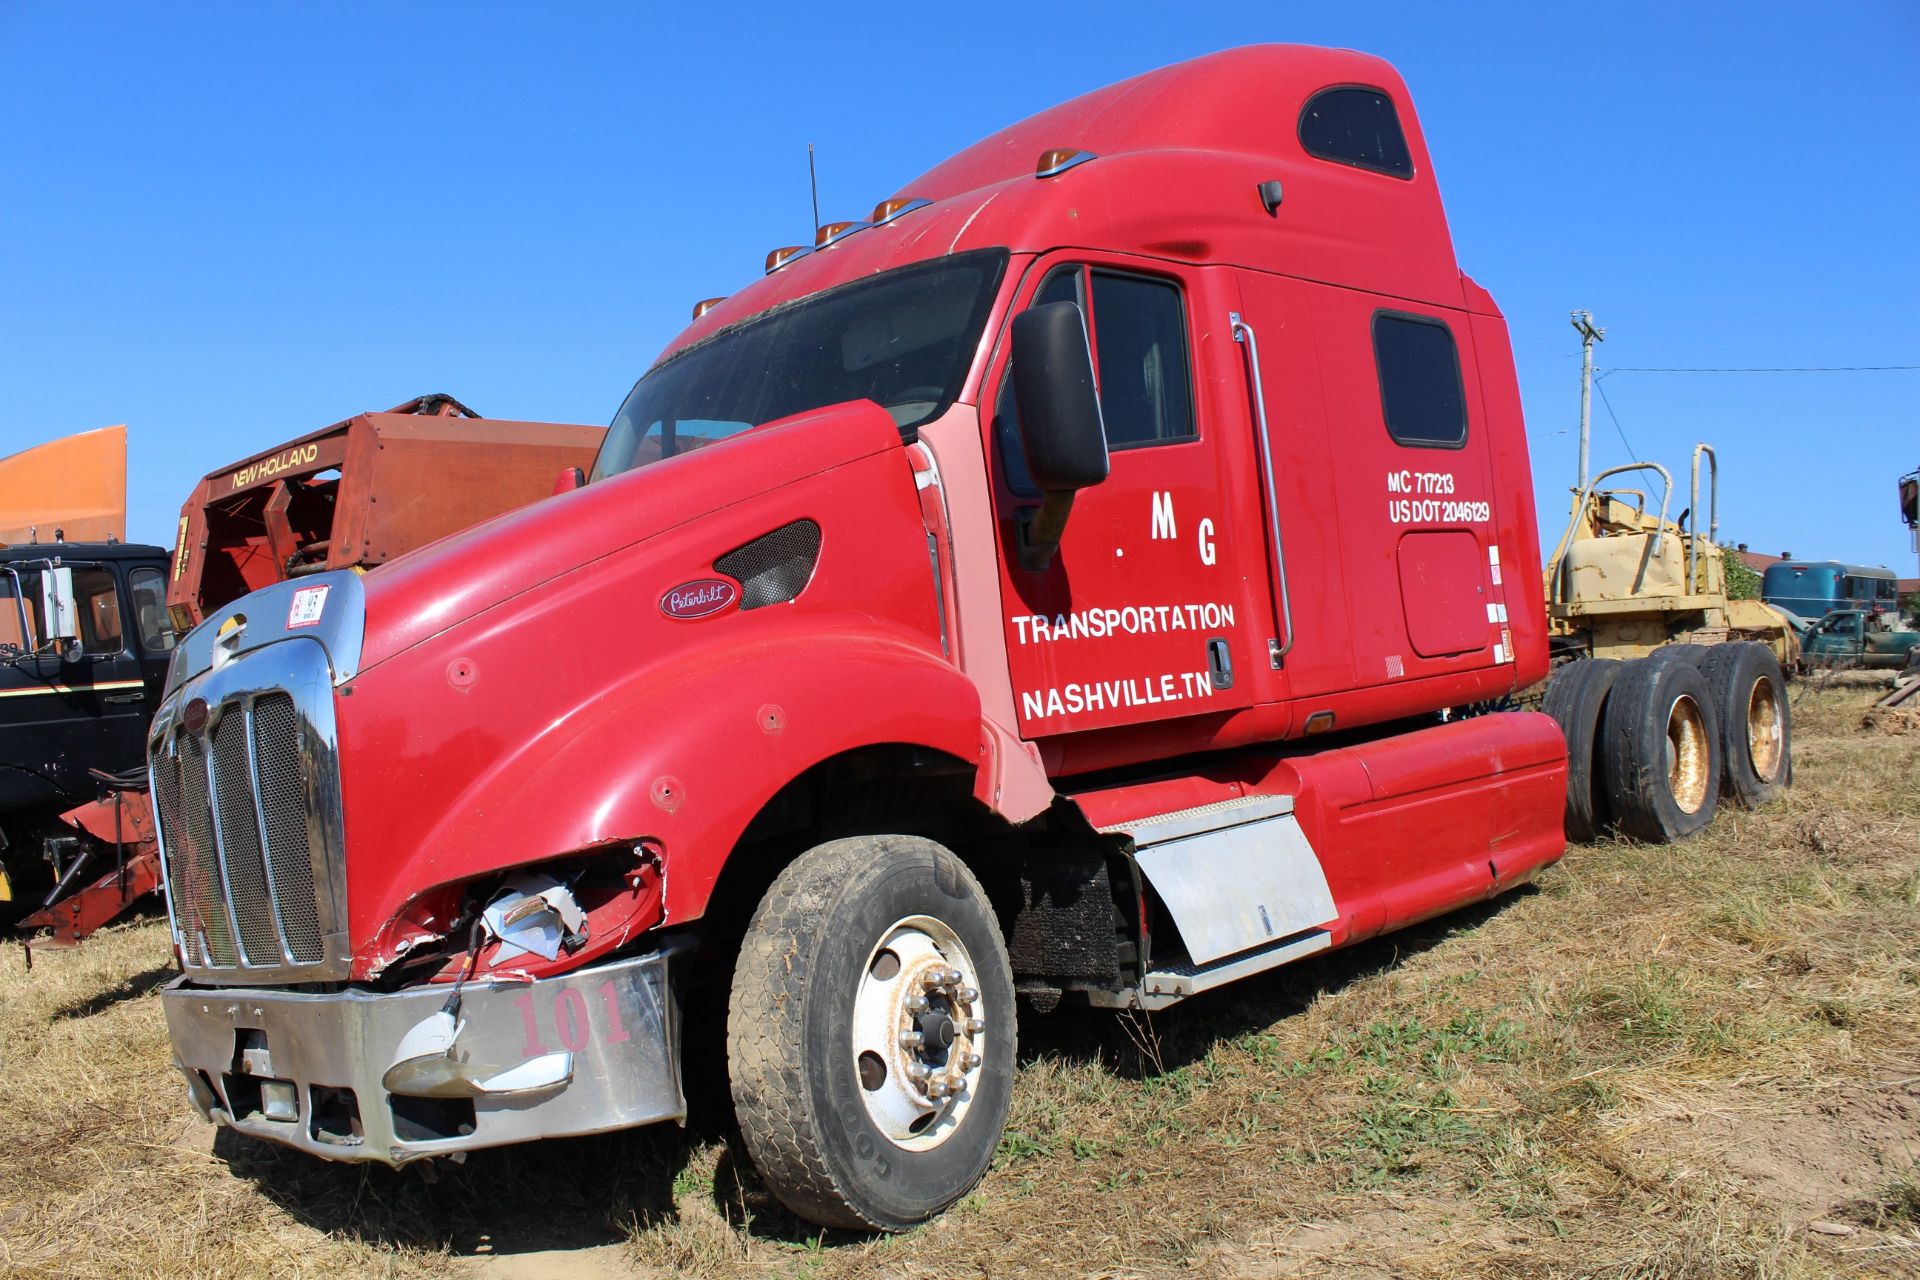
(61, 610)
(1061, 433)
(569, 479)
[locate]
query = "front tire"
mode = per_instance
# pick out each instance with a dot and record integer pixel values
(870, 1034)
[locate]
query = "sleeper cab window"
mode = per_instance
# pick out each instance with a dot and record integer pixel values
(1141, 365)
(1421, 398)
(1356, 126)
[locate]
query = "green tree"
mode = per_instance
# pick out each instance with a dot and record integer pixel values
(1742, 583)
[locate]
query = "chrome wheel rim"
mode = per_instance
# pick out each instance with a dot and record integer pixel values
(1766, 730)
(1688, 755)
(918, 1033)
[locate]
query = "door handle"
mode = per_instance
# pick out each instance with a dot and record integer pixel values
(138, 695)
(1219, 663)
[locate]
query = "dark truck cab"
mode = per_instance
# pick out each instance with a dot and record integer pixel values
(1858, 638)
(75, 694)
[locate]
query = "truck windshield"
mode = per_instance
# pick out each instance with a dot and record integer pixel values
(902, 339)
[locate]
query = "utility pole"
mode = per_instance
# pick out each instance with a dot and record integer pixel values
(1583, 321)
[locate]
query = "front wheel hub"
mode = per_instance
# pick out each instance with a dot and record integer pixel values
(936, 1030)
(918, 1033)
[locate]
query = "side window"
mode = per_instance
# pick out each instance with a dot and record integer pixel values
(99, 601)
(1141, 365)
(150, 609)
(1356, 126)
(1140, 360)
(19, 612)
(1420, 393)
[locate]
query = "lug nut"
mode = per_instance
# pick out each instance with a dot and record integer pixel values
(918, 1071)
(976, 1025)
(957, 1085)
(967, 995)
(916, 1003)
(938, 1089)
(973, 1061)
(911, 1039)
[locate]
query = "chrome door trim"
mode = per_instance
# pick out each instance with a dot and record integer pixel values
(1243, 334)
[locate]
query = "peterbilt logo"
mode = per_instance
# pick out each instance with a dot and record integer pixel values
(193, 716)
(701, 598)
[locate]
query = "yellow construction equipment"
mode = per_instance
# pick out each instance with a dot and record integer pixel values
(1623, 581)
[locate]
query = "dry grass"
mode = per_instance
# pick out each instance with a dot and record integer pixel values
(1699, 1061)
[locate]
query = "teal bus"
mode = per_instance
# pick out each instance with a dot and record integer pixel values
(1813, 588)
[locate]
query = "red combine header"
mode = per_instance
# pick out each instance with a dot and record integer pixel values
(1099, 575)
(359, 493)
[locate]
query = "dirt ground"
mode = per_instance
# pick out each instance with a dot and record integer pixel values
(1696, 1061)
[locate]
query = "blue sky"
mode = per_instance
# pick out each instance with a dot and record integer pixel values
(226, 225)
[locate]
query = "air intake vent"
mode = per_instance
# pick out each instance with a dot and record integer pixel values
(775, 567)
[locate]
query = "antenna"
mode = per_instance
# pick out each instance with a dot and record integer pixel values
(813, 181)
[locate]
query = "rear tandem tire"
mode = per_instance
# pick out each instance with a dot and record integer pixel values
(1575, 698)
(1691, 654)
(845, 943)
(1756, 724)
(1660, 741)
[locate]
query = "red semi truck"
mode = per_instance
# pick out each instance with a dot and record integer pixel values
(1084, 579)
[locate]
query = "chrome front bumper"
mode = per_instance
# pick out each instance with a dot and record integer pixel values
(306, 1070)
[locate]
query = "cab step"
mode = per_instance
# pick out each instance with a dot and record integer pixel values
(1172, 983)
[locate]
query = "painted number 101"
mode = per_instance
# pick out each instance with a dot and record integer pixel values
(570, 1015)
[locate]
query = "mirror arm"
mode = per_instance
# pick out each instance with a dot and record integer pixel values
(1041, 528)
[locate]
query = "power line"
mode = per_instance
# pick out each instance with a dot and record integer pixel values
(1837, 368)
(1601, 388)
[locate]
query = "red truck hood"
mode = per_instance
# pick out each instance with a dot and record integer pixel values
(428, 591)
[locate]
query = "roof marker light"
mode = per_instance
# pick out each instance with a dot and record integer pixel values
(781, 257)
(705, 305)
(1059, 160)
(837, 231)
(887, 210)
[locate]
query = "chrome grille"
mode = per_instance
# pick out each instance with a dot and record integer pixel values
(238, 838)
(276, 752)
(248, 807)
(192, 832)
